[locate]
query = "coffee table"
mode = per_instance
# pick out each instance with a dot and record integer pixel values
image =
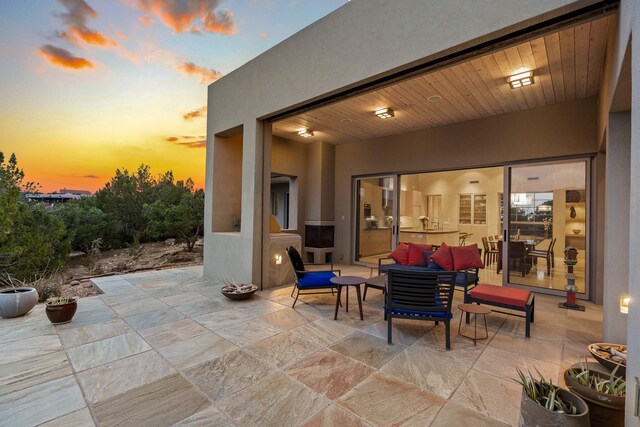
(474, 309)
(340, 282)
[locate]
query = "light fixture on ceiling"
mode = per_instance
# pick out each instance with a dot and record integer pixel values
(520, 80)
(434, 98)
(304, 132)
(384, 113)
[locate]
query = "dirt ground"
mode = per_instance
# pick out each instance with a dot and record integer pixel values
(75, 278)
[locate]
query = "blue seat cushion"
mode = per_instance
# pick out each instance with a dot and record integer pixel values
(315, 279)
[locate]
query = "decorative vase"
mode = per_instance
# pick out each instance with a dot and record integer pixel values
(16, 302)
(604, 409)
(61, 313)
(532, 414)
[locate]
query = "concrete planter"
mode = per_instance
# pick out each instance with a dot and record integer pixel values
(16, 302)
(534, 415)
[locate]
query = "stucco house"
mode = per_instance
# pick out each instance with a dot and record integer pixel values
(424, 120)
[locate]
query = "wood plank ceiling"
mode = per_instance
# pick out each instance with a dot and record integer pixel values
(567, 66)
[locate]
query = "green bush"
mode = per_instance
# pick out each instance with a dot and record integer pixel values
(86, 223)
(184, 221)
(32, 239)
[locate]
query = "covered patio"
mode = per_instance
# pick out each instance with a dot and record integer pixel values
(166, 348)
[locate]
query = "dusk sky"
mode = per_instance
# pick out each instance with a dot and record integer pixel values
(88, 86)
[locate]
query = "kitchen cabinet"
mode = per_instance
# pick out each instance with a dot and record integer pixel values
(375, 242)
(376, 201)
(406, 203)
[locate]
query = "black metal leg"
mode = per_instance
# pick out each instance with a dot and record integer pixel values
(359, 301)
(296, 300)
(448, 332)
(389, 329)
(364, 295)
(335, 317)
(347, 305)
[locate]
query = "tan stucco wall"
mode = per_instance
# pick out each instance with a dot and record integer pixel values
(566, 129)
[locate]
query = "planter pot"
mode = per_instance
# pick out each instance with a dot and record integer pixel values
(534, 415)
(61, 313)
(604, 409)
(15, 302)
(234, 295)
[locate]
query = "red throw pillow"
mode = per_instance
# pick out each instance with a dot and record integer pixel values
(401, 254)
(442, 257)
(466, 257)
(416, 251)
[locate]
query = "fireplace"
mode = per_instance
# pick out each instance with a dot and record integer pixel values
(318, 236)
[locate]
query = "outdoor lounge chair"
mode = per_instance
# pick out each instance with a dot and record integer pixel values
(316, 281)
(420, 295)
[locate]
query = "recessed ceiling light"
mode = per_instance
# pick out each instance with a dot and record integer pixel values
(434, 98)
(384, 113)
(346, 121)
(304, 132)
(520, 80)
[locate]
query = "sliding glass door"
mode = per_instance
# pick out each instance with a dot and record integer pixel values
(548, 210)
(376, 213)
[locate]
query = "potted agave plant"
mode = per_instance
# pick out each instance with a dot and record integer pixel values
(61, 310)
(604, 393)
(544, 404)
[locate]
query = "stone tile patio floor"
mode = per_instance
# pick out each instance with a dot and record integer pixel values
(166, 348)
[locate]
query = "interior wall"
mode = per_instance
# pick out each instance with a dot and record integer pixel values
(449, 185)
(566, 129)
(290, 158)
(227, 185)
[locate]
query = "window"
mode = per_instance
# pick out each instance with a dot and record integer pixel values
(473, 209)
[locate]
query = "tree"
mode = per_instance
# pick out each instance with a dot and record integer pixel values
(184, 221)
(85, 223)
(32, 240)
(124, 196)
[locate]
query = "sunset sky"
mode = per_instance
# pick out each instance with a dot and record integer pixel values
(88, 86)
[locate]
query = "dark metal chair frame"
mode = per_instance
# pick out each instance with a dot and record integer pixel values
(299, 270)
(421, 295)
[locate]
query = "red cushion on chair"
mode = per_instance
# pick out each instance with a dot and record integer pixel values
(416, 251)
(466, 257)
(442, 257)
(501, 295)
(401, 254)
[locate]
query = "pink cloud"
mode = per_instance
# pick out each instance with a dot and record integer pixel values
(200, 112)
(185, 141)
(146, 20)
(179, 15)
(75, 18)
(207, 75)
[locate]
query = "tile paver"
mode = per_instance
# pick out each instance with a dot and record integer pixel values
(164, 347)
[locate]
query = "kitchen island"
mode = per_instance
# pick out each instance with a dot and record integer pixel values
(430, 236)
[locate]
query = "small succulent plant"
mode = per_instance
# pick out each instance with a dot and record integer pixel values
(614, 386)
(544, 393)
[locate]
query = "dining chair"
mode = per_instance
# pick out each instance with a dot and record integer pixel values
(490, 255)
(546, 254)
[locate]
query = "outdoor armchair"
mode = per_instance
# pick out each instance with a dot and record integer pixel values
(311, 282)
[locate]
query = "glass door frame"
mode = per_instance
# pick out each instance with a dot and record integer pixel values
(506, 224)
(395, 230)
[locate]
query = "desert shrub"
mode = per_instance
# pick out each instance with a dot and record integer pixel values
(86, 223)
(32, 240)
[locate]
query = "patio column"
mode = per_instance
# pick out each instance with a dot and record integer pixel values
(616, 234)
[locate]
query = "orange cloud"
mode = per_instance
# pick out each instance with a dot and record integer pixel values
(207, 75)
(184, 141)
(200, 112)
(180, 14)
(75, 18)
(64, 58)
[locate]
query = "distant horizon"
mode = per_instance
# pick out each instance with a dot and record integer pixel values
(89, 87)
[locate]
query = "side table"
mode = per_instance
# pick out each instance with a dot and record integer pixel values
(340, 282)
(474, 309)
